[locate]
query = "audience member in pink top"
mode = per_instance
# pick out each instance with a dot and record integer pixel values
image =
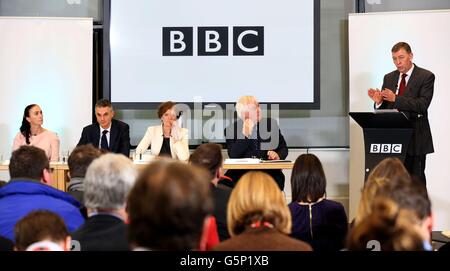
(32, 133)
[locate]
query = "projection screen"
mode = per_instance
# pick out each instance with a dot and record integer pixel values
(214, 52)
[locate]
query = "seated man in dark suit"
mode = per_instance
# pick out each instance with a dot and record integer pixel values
(253, 136)
(108, 133)
(107, 183)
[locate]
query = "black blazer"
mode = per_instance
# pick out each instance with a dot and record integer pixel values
(268, 137)
(102, 233)
(414, 103)
(221, 196)
(119, 139)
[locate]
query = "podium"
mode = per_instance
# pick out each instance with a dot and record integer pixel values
(387, 133)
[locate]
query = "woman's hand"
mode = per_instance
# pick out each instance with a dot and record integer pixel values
(176, 132)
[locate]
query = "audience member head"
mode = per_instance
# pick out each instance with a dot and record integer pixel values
(168, 206)
(388, 170)
(104, 112)
(80, 159)
(32, 116)
(41, 230)
(411, 195)
(108, 182)
(209, 157)
(308, 180)
(247, 107)
(387, 228)
(257, 199)
(29, 162)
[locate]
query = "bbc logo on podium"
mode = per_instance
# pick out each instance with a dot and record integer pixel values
(386, 148)
(213, 41)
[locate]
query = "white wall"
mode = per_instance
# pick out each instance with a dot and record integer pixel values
(47, 61)
(371, 37)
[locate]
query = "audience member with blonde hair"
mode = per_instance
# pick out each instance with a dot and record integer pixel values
(169, 207)
(387, 228)
(258, 217)
(41, 231)
(412, 195)
(388, 170)
(315, 219)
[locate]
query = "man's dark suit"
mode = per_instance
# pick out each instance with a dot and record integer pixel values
(263, 139)
(221, 195)
(414, 103)
(119, 139)
(102, 232)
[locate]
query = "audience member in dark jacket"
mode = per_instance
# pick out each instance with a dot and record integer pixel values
(209, 157)
(78, 162)
(108, 181)
(316, 220)
(28, 191)
(102, 232)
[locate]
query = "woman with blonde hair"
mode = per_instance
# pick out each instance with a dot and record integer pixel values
(387, 228)
(258, 217)
(388, 170)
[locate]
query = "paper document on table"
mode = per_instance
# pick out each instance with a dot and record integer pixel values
(242, 161)
(276, 161)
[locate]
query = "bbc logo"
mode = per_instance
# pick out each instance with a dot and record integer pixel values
(386, 148)
(213, 41)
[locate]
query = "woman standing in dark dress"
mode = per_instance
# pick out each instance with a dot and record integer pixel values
(316, 220)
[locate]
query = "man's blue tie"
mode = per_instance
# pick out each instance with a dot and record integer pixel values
(104, 141)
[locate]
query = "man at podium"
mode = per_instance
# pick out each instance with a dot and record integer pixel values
(409, 89)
